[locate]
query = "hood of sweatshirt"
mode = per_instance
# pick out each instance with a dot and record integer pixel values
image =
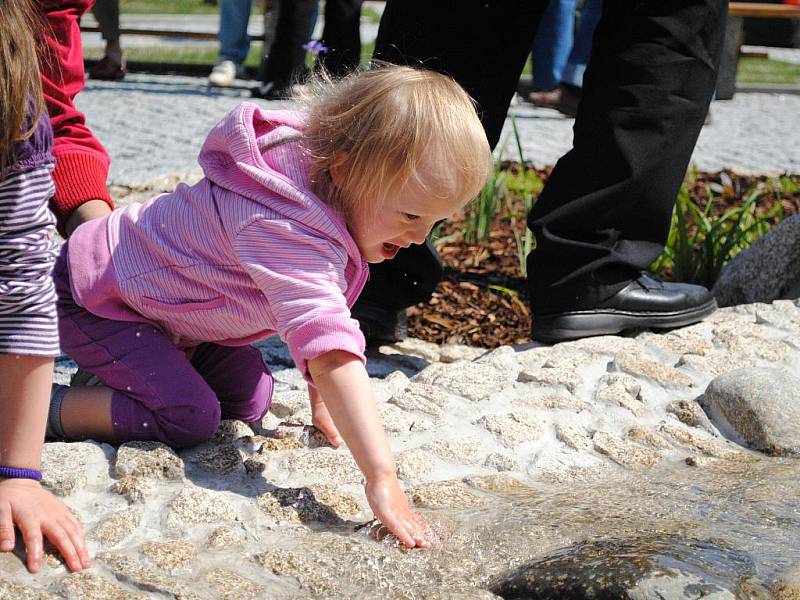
(258, 153)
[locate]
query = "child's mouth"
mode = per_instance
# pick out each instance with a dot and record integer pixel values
(390, 250)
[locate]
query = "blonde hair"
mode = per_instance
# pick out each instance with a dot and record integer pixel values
(376, 128)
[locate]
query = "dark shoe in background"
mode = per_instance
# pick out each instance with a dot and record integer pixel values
(272, 91)
(379, 324)
(564, 99)
(108, 70)
(644, 303)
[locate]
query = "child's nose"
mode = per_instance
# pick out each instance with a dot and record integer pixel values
(419, 235)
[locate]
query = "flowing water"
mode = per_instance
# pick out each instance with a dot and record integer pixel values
(734, 524)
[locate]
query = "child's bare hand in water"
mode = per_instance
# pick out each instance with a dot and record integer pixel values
(390, 506)
(37, 513)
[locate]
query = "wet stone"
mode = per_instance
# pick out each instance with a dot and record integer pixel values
(397, 420)
(112, 530)
(514, 428)
(667, 567)
(621, 389)
(333, 466)
(554, 402)
(500, 462)
(226, 538)
(285, 404)
(788, 585)
(279, 444)
(197, 505)
(701, 441)
(565, 377)
(220, 459)
(133, 572)
(473, 381)
(70, 467)
(445, 494)
(689, 412)
(169, 555)
(460, 451)
(569, 467)
(229, 585)
(230, 430)
(90, 586)
(413, 464)
(148, 459)
(577, 439)
(762, 405)
(312, 504)
(134, 489)
(637, 365)
(624, 452)
(12, 591)
(647, 437)
(715, 363)
(499, 483)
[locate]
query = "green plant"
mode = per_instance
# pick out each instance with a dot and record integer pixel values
(481, 211)
(700, 243)
(525, 184)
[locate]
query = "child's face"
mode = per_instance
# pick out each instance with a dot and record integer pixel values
(404, 218)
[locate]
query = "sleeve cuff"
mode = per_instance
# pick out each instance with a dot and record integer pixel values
(324, 334)
(79, 177)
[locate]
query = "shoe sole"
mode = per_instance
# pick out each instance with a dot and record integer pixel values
(587, 323)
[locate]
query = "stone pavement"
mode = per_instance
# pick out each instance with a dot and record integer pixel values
(153, 126)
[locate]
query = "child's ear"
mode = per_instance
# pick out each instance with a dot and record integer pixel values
(337, 170)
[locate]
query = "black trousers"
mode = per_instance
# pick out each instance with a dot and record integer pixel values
(605, 212)
(286, 61)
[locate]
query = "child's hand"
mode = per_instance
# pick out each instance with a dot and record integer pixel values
(390, 505)
(321, 418)
(35, 511)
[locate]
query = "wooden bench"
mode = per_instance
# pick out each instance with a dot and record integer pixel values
(734, 34)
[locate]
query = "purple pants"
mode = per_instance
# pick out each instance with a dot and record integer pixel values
(162, 392)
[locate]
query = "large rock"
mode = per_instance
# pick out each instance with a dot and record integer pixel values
(761, 405)
(768, 270)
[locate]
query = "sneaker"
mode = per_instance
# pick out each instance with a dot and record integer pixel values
(223, 74)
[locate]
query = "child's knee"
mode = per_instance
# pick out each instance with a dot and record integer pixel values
(190, 424)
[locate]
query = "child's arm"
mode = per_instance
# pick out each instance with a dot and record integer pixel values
(344, 384)
(24, 397)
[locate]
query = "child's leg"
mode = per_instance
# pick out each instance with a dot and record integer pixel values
(239, 377)
(152, 392)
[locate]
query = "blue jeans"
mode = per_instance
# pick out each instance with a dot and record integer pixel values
(553, 43)
(234, 43)
(582, 44)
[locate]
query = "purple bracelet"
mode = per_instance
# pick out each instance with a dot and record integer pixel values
(15, 473)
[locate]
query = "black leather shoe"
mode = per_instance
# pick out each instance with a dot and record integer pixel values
(380, 324)
(642, 304)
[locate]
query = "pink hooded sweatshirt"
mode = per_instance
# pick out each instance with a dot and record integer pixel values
(247, 252)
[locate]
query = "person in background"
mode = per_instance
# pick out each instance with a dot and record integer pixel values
(605, 211)
(28, 328)
(234, 41)
(561, 52)
(112, 66)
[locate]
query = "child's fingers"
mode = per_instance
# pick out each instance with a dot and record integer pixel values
(65, 539)
(399, 529)
(6, 528)
(32, 536)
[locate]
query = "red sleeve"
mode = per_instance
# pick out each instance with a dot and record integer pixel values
(81, 161)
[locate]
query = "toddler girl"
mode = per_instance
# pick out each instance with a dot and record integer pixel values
(28, 330)
(161, 300)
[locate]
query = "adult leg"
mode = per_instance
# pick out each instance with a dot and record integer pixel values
(553, 43)
(341, 36)
(238, 376)
(286, 58)
(575, 66)
(605, 212)
(112, 65)
(234, 42)
(487, 63)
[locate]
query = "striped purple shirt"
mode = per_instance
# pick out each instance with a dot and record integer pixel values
(27, 250)
(247, 252)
